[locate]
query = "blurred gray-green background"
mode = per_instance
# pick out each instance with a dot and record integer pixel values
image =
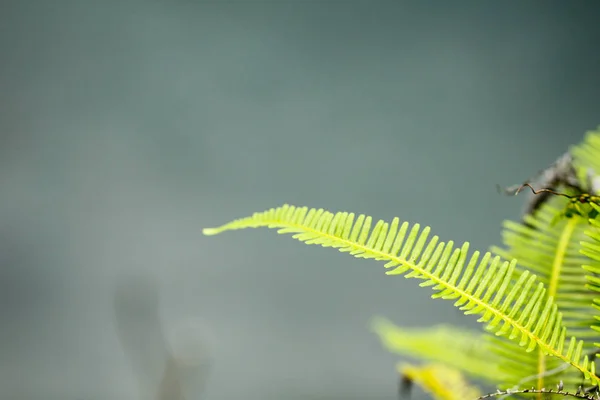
(127, 127)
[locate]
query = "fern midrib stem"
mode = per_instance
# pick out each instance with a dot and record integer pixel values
(559, 258)
(413, 266)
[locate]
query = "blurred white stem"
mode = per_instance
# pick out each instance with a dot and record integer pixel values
(176, 372)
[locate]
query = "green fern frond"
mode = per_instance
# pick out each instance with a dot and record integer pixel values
(520, 309)
(461, 349)
(552, 252)
(586, 154)
(522, 368)
(550, 247)
(439, 380)
(591, 249)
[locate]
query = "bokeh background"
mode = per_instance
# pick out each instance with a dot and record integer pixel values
(127, 127)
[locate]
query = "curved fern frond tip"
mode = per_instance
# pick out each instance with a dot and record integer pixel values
(263, 219)
(509, 304)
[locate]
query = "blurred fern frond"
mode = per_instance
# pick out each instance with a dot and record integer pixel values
(439, 380)
(464, 350)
